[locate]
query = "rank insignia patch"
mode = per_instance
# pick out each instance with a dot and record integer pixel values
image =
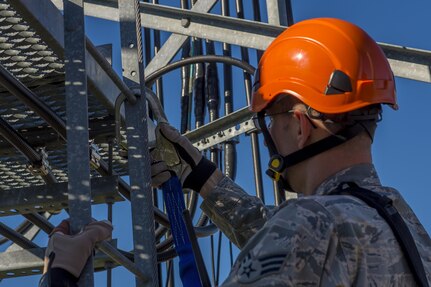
(251, 269)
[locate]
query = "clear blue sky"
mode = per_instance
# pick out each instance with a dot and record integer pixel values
(401, 148)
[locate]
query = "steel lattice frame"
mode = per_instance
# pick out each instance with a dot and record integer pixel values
(33, 112)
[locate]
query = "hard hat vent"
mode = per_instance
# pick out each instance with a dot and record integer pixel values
(339, 83)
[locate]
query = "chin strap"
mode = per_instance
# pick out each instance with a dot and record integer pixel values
(278, 163)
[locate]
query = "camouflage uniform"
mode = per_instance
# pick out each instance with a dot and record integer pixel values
(319, 240)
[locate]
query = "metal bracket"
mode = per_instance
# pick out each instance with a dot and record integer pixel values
(95, 156)
(30, 262)
(230, 133)
(42, 168)
(53, 197)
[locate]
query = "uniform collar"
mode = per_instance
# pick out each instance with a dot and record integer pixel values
(361, 174)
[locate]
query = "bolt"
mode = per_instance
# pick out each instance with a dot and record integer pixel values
(185, 22)
(133, 73)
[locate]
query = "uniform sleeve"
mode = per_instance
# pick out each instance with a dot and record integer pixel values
(237, 214)
(290, 250)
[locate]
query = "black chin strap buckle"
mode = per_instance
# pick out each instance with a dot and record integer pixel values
(275, 167)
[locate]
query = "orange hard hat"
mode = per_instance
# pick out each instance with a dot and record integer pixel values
(331, 65)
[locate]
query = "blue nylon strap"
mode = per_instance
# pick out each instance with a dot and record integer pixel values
(174, 201)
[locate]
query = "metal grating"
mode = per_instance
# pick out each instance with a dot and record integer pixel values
(27, 57)
(22, 51)
(14, 172)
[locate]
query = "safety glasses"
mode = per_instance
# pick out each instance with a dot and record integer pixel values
(262, 122)
(266, 122)
(268, 119)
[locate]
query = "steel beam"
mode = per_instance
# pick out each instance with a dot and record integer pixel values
(109, 10)
(222, 129)
(30, 99)
(78, 160)
(30, 262)
(15, 139)
(21, 263)
(409, 63)
(279, 12)
(35, 159)
(31, 233)
(406, 62)
(40, 221)
(175, 41)
(119, 258)
(106, 52)
(47, 21)
(53, 197)
(144, 243)
(11, 234)
(104, 246)
(213, 27)
(195, 22)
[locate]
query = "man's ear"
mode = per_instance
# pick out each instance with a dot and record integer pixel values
(304, 129)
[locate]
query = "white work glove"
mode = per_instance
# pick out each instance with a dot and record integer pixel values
(72, 251)
(175, 155)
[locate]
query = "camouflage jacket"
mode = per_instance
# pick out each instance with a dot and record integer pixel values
(319, 240)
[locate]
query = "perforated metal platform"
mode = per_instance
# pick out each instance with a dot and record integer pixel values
(25, 55)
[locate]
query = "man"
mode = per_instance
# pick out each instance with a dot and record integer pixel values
(318, 92)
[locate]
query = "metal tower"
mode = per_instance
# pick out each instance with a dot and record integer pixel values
(67, 141)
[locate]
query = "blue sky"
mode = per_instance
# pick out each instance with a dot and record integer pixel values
(401, 149)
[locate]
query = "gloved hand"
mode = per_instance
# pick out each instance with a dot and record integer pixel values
(72, 251)
(175, 155)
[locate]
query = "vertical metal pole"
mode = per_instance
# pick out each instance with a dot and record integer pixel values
(78, 161)
(279, 12)
(108, 265)
(137, 141)
(254, 136)
(213, 270)
(198, 81)
(257, 18)
(147, 44)
(230, 158)
(186, 83)
(198, 84)
(220, 236)
(186, 91)
(157, 44)
(212, 95)
(159, 93)
(170, 279)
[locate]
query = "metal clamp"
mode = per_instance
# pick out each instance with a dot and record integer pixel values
(229, 133)
(156, 109)
(41, 168)
(95, 156)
